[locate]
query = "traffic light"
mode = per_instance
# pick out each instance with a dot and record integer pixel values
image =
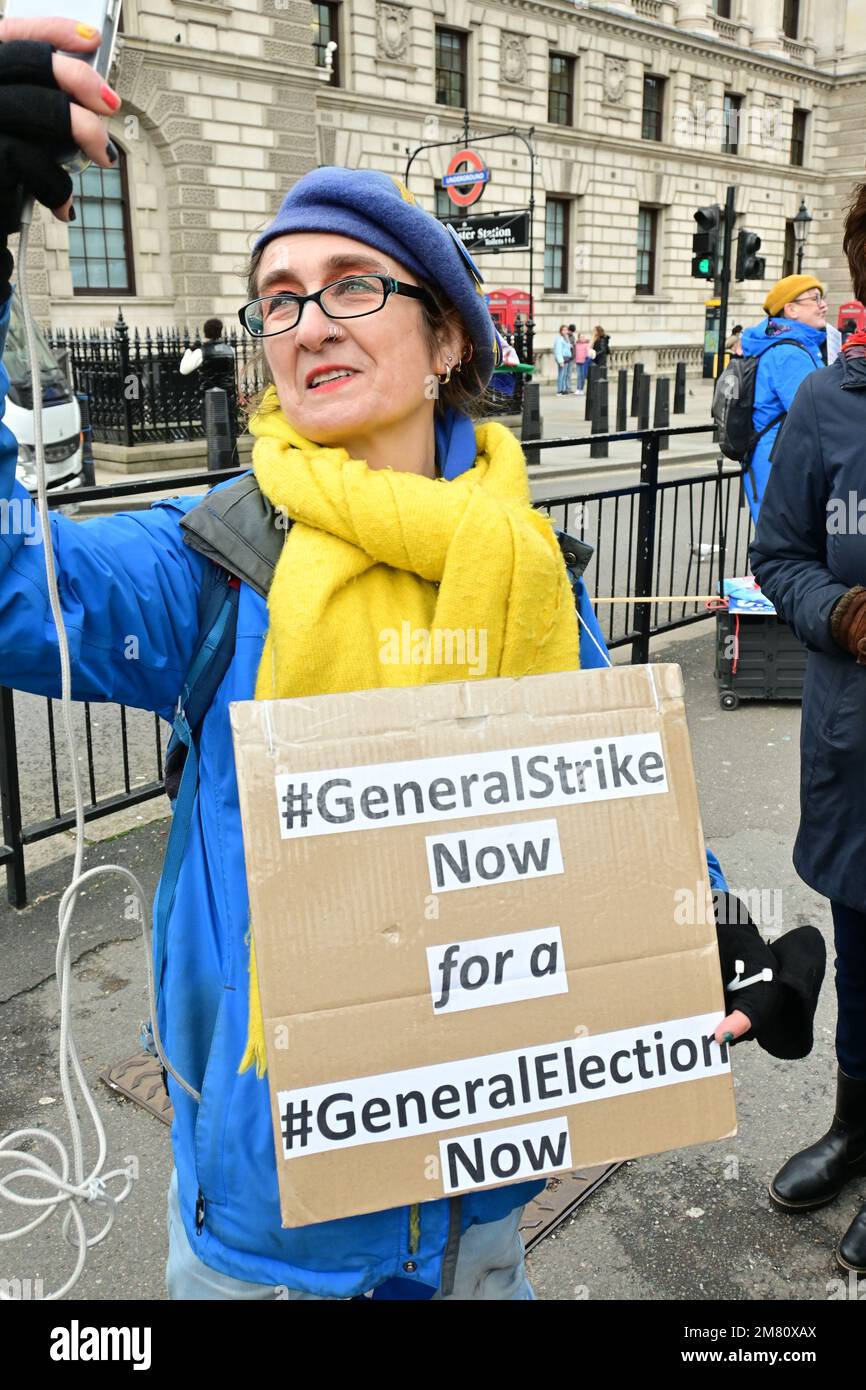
(705, 242)
(750, 266)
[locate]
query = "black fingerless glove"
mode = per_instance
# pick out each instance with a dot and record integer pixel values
(781, 1010)
(35, 131)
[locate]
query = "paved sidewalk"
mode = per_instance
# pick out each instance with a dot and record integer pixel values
(694, 1223)
(563, 418)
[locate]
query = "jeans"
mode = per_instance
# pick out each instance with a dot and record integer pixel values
(850, 932)
(562, 377)
(489, 1266)
(582, 369)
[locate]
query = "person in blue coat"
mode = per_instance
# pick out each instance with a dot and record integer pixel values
(144, 573)
(789, 343)
(809, 557)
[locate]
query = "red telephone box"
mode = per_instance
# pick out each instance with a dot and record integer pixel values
(852, 310)
(506, 305)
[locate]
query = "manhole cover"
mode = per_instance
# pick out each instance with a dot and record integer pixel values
(139, 1078)
(559, 1199)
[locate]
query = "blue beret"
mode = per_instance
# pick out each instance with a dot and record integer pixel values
(380, 211)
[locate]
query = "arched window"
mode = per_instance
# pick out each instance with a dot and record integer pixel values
(100, 244)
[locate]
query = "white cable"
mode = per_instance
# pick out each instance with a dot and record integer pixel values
(80, 1189)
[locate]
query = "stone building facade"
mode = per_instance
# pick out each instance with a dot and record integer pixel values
(225, 105)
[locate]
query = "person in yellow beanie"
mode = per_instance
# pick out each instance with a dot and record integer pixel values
(795, 328)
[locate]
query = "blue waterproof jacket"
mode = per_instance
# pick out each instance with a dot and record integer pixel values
(132, 575)
(778, 378)
(809, 549)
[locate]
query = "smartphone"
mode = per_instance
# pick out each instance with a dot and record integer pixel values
(101, 15)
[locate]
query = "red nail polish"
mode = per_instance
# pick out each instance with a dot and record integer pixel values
(109, 97)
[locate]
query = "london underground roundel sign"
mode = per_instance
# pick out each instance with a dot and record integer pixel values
(465, 179)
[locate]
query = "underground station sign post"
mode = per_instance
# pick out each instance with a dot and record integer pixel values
(466, 178)
(500, 231)
(474, 961)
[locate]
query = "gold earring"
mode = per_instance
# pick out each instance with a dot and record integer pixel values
(444, 379)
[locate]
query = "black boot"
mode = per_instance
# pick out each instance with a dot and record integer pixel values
(817, 1174)
(851, 1250)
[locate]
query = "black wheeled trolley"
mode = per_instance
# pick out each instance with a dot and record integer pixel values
(757, 655)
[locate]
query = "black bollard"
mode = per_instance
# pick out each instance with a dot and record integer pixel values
(88, 475)
(531, 428)
(598, 449)
(218, 432)
(622, 400)
(680, 390)
(643, 404)
(592, 373)
(635, 387)
(662, 413)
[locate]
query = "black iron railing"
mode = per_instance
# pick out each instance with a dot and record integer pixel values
(136, 391)
(661, 545)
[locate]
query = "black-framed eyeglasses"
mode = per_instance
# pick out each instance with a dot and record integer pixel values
(353, 297)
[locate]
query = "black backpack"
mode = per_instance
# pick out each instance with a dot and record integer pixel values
(734, 404)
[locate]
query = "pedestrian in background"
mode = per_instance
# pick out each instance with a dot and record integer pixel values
(732, 343)
(581, 357)
(600, 346)
(789, 342)
(215, 363)
(809, 556)
(572, 340)
(562, 357)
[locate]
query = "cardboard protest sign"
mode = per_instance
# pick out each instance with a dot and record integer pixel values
(474, 962)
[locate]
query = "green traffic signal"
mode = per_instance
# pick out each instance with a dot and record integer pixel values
(705, 242)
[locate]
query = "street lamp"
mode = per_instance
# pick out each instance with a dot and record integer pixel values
(801, 231)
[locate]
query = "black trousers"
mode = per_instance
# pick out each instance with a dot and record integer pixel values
(850, 932)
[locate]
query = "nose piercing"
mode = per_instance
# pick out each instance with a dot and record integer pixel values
(334, 333)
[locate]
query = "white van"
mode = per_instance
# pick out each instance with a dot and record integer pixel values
(61, 418)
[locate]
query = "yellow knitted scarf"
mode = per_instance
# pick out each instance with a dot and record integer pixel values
(392, 579)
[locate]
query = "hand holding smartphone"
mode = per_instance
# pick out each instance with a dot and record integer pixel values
(100, 16)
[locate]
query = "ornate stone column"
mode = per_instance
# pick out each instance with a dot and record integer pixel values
(767, 29)
(695, 15)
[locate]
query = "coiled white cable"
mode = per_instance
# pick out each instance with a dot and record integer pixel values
(76, 1189)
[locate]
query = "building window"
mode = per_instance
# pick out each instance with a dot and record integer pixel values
(653, 107)
(791, 19)
(731, 123)
(789, 261)
(647, 232)
(560, 90)
(326, 29)
(556, 245)
(100, 244)
(722, 8)
(798, 137)
(450, 68)
(444, 206)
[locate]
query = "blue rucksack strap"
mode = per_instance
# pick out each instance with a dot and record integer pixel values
(218, 610)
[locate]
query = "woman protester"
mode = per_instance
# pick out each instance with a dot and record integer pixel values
(809, 556)
(377, 342)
